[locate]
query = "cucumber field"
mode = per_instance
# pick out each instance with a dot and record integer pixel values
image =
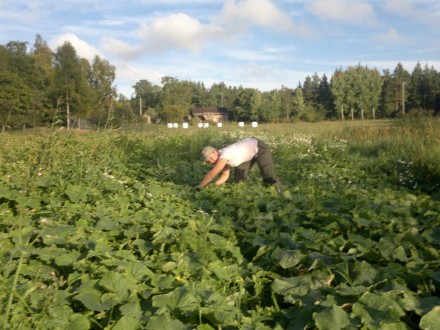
(108, 229)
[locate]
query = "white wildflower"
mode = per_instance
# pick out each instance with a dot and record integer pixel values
(44, 221)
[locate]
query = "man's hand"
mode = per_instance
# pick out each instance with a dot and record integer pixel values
(218, 167)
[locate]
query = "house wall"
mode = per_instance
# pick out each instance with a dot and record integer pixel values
(213, 117)
(211, 114)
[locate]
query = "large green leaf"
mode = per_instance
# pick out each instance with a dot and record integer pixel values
(20, 236)
(289, 258)
(32, 202)
(394, 326)
(107, 223)
(118, 283)
(127, 323)
(387, 247)
(138, 269)
(225, 245)
(76, 193)
(303, 284)
(62, 317)
(164, 322)
(292, 285)
(45, 181)
(78, 322)
(431, 321)
(143, 246)
(366, 274)
(180, 298)
(68, 258)
(132, 309)
(226, 314)
(58, 235)
(332, 319)
(377, 309)
(165, 235)
(96, 301)
(59, 315)
(224, 271)
(420, 305)
(400, 254)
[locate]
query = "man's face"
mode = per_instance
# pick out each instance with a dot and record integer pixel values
(212, 158)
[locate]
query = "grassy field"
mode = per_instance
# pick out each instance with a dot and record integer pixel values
(108, 230)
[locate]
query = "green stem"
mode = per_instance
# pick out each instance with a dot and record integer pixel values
(275, 302)
(11, 295)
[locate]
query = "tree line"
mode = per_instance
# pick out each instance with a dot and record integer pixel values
(39, 86)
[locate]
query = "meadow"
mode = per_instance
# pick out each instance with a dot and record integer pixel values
(108, 230)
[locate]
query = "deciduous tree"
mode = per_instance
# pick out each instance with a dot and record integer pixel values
(15, 100)
(175, 101)
(101, 80)
(71, 83)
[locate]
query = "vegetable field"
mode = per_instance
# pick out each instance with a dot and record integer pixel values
(107, 230)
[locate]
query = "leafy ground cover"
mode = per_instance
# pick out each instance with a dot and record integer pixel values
(107, 230)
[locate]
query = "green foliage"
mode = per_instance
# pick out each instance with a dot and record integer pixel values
(108, 230)
(15, 99)
(71, 86)
(406, 153)
(247, 106)
(101, 77)
(357, 89)
(61, 88)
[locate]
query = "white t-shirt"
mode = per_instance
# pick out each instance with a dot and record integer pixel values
(239, 152)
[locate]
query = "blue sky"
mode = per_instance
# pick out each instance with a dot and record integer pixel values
(264, 44)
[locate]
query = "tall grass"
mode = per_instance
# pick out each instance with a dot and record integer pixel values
(407, 151)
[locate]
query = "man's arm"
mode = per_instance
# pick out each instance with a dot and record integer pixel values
(218, 167)
(224, 176)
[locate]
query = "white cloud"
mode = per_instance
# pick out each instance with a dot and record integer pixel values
(182, 32)
(120, 48)
(391, 36)
(350, 11)
(239, 15)
(427, 11)
(257, 12)
(177, 31)
(83, 49)
(129, 74)
(174, 32)
(399, 7)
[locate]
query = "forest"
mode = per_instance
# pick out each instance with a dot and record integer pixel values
(41, 87)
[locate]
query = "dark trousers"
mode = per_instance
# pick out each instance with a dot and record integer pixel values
(265, 163)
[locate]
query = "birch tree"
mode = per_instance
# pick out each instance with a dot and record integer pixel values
(71, 83)
(338, 89)
(101, 80)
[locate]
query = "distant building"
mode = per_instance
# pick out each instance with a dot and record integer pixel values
(211, 114)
